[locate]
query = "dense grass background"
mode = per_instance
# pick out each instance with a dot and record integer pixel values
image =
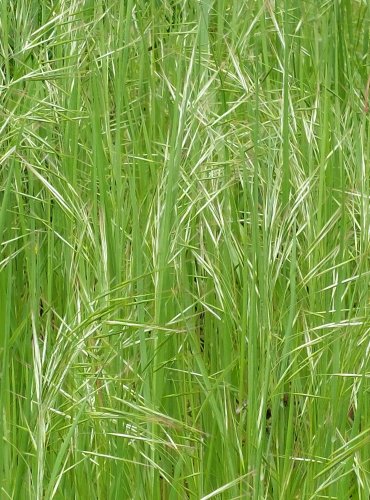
(185, 238)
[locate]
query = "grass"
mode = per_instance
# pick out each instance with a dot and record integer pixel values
(185, 238)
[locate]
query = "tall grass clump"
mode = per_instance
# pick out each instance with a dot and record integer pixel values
(184, 249)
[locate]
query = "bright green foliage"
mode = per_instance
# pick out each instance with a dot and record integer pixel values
(184, 249)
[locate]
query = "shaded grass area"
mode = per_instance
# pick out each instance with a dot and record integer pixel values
(184, 267)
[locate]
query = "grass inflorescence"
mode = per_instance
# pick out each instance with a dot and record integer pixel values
(185, 245)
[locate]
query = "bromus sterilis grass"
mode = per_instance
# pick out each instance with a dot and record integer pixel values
(184, 249)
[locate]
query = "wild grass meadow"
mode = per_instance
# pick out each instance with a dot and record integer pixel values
(184, 249)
